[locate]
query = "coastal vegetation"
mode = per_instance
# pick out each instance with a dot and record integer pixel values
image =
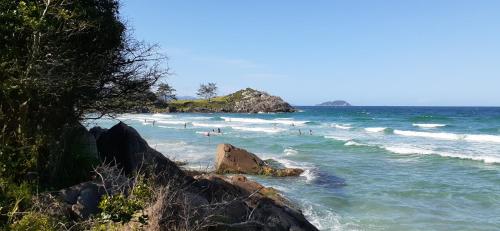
(246, 100)
(66, 62)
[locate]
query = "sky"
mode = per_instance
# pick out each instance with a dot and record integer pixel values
(370, 53)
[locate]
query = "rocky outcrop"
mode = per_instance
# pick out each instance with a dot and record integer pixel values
(230, 159)
(237, 202)
(82, 200)
(123, 145)
(243, 101)
(253, 101)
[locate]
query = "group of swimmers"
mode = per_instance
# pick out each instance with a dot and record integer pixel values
(310, 132)
(219, 131)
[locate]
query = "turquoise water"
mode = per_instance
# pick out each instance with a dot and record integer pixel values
(367, 168)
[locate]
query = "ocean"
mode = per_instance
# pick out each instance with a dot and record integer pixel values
(366, 168)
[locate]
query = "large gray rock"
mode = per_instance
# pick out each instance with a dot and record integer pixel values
(253, 101)
(83, 199)
(122, 144)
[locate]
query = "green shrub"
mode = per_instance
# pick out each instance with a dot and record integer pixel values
(122, 208)
(35, 222)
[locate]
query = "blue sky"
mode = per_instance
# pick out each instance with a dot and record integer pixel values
(418, 52)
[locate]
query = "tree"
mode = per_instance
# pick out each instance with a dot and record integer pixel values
(166, 92)
(62, 62)
(207, 91)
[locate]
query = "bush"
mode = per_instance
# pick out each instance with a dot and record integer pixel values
(122, 208)
(33, 221)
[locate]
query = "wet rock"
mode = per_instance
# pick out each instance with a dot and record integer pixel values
(230, 159)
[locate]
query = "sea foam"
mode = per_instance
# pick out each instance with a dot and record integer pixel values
(342, 126)
(258, 129)
(429, 125)
(375, 129)
(421, 151)
(450, 136)
(263, 121)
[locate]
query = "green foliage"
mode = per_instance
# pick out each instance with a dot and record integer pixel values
(60, 61)
(14, 197)
(165, 92)
(34, 221)
(221, 103)
(207, 91)
(122, 208)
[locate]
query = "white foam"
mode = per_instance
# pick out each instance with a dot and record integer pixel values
(353, 143)
(450, 136)
(413, 150)
(434, 135)
(408, 150)
(308, 174)
(176, 122)
(258, 129)
(429, 125)
(321, 217)
(208, 125)
(263, 121)
(207, 133)
(290, 151)
(483, 138)
(338, 138)
(342, 126)
(375, 129)
(161, 115)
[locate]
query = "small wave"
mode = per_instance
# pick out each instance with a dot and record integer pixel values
(211, 133)
(434, 135)
(322, 218)
(263, 121)
(342, 126)
(353, 143)
(413, 150)
(196, 124)
(338, 138)
(258, 129)
(483, 138)
(177, 122)
(161, 115)
(375, 129)
(408, 150)
(290, 151)
(429, 125)
(309, 175)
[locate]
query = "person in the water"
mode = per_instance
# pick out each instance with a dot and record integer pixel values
(310, 132)
(300, 132)
(185, 124)
(219, 131)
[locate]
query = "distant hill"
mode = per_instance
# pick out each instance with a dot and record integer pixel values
(336, 103)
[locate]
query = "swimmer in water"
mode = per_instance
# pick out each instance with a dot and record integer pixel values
(310, 132)
(300, 132)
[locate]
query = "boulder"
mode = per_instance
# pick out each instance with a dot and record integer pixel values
(253, 206)
(83, 199)
(241, 204)
(122, 144)
(230, 159)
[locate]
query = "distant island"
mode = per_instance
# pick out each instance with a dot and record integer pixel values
(336, 103)
(243, 101)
